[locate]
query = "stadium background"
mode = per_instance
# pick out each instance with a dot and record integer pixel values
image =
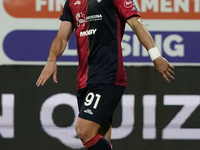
(152, 114)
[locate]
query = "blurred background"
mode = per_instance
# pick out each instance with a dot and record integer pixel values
(152, 114)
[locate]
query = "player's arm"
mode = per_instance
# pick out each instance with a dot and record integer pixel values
(57, 48)
(162, 65)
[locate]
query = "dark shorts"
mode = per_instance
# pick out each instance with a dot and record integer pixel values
(98, 102)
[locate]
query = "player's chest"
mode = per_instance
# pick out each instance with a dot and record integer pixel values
(89, 11)
(89, 7)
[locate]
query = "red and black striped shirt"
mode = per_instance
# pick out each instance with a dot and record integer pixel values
(99, 28)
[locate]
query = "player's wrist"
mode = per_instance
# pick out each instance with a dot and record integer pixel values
(154, 53)
(51, 59)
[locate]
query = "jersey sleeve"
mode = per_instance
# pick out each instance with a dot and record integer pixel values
(66, 14)
(126, 8)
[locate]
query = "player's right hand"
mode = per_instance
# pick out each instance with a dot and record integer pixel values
(49, 69)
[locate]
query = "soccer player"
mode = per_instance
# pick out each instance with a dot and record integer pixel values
(101, 79)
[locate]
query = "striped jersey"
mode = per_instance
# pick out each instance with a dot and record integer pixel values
(99, 27)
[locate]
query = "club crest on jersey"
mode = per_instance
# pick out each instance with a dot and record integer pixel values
(78, 2)
(80, 19)
(128, 3)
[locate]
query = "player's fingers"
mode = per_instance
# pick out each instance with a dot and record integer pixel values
(170, 75)
(171, 71)
(55, 77)
(165, 77)
(171, 67)
(39, 81)
(42, 79)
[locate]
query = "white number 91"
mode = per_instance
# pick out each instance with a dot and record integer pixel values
(89, 99)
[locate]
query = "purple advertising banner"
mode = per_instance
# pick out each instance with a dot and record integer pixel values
(33, 45)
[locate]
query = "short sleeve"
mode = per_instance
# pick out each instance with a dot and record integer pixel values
(126, 8)
(66, 14)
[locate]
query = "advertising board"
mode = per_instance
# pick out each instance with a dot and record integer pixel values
(151, 115)
(29, 27)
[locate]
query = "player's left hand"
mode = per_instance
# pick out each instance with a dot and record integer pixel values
(165, 69)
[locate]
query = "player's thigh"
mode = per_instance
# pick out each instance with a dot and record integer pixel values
(86, 129)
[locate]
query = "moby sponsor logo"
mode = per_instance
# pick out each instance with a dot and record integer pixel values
(88, 32)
